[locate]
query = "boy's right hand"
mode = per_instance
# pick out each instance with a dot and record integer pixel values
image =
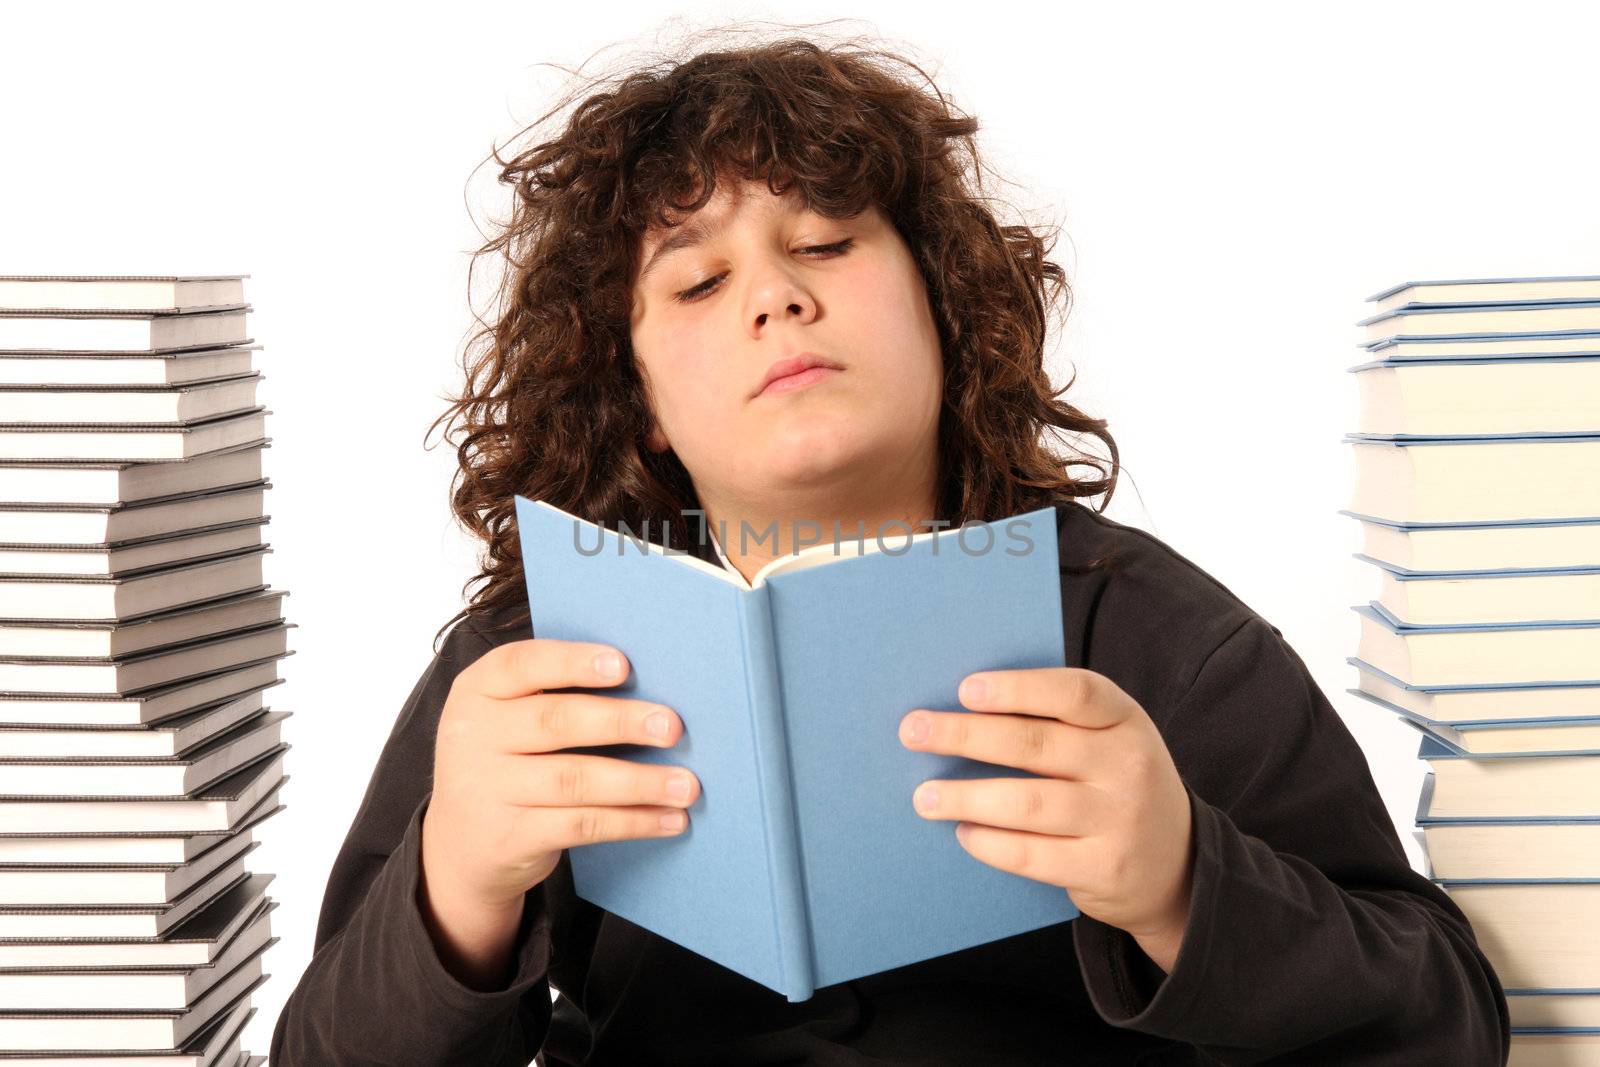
(506, 801)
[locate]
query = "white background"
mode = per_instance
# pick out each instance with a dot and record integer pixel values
(1233, 181)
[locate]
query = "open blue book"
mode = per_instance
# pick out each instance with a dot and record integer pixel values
(804, 863)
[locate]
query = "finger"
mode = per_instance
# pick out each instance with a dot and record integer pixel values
(543, 830)
(1037, 805)
(518, 668)
(1033, 743)
(1073, 695)
(559, 781)
(548, 722)
(1060, 861)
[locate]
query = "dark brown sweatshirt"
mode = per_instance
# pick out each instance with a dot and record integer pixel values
(1310, 939)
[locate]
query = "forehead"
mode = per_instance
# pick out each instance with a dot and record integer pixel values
(732, 198)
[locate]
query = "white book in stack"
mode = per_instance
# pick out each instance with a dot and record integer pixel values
(139, 643)
(1477, 487)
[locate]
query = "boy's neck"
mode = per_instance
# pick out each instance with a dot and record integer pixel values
(749, 542)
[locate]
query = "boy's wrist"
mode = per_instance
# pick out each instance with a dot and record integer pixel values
(1161, 948)
(1161, 942)
(472, 939)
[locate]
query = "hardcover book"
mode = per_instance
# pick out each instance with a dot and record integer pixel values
(1504, 787)
(1536, 934)
(78, 483)
(195, 942)
(109, 524)
(173, 736)
(173, 777)
(137, 709)
(132, 990)
(1439, 397)
(86, 599)
(115, 560)
(804, 863)
(1441, 479)
(218, 806)
(1512, 346)
(126, 443)
(113, 640)
(145, 670)
(93, 885)
(121, 331)
(1571, 317)
(110, 405)
(1466, 292)
(126, 292)
(1482, 546)
(1429, 598)
(216, 1045)
(1512, 653)
(1480, 702)
(132, 1031)
(122, 368)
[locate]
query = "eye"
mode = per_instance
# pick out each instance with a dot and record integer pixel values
(689, 296)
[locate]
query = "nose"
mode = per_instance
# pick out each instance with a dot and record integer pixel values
(779, 293)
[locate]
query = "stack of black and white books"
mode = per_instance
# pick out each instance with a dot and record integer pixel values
(138, 647)
(1478, 491)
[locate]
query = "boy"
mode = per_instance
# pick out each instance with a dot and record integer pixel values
(756, 288)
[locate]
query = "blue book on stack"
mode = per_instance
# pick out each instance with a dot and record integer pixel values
(804, 863)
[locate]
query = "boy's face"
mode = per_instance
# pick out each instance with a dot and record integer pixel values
(759, 290)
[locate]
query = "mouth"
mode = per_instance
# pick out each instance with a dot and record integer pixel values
(787, 375)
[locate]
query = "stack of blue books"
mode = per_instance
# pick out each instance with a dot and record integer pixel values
(1477, 488)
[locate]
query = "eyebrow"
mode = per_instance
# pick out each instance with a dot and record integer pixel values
(693, 232)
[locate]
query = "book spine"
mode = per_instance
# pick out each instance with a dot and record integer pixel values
(775, 782)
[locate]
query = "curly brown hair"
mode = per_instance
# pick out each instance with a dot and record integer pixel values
(553, 406)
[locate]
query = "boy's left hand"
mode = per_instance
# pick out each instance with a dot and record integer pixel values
(1109, 820)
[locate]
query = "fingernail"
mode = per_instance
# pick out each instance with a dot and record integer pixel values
(656, 724)
(608, 664)
(974, 689)
(917, 729)
(678, 787)
(673, 820)
(926, 798)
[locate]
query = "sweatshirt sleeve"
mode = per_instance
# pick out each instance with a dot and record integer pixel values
(1310, 938)
(375, 991)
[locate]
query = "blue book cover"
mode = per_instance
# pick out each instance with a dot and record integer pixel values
(1393, 525)
(1356, 661)
(1393, 289)
(1405, 574)
(1378, 613)
(1471, 361)
(1402, 316)
(1467, 438)
(804, 863)
(1469, 725)
(1553, 1030)
(1499, 346)
(1456, 751)
(1434, 747)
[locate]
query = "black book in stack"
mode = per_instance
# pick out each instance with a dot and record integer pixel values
(138, 646)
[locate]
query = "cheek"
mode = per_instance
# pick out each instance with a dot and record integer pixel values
(891, 305)
(679, 366)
